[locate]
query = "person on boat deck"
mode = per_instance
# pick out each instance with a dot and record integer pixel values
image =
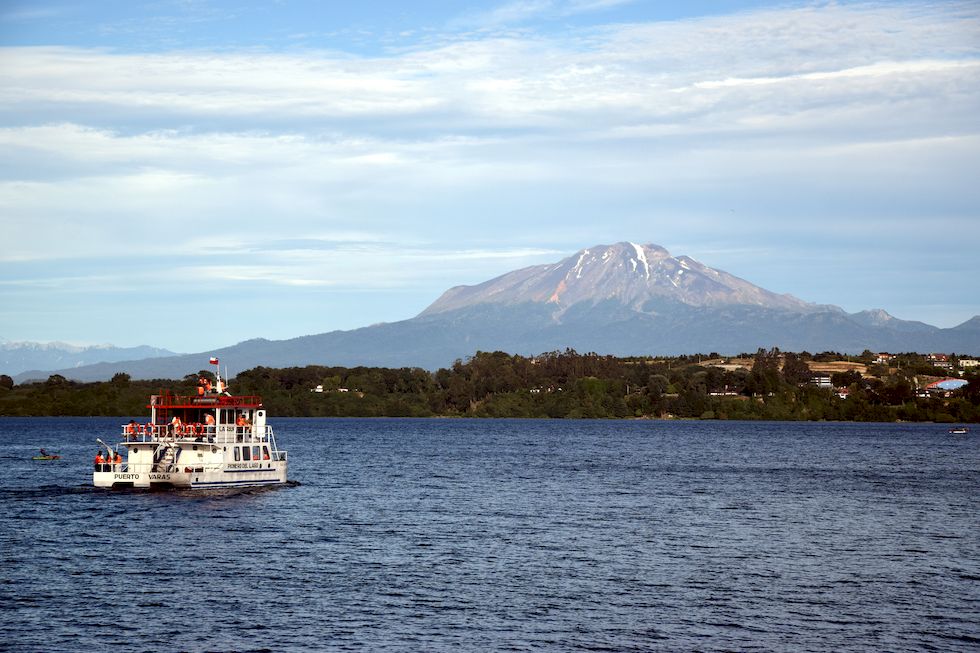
(131, 429)
(176, 424)
(99, 461)
(117, 460)
(209, 425)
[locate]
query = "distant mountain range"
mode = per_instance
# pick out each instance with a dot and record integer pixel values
(18, 357)
(622, 299)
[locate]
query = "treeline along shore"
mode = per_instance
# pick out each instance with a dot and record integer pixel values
(768, 385)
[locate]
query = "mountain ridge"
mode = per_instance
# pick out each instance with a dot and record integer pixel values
(20, 356)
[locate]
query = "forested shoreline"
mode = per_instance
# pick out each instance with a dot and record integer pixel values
(767, 385)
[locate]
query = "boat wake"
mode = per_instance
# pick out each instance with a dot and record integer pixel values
(46, 491)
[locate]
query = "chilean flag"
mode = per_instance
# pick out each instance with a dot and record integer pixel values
(213, 361)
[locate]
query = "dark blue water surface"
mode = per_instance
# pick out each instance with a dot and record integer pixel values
(495, 535)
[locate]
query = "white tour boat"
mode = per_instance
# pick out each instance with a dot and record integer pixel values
(211, 440)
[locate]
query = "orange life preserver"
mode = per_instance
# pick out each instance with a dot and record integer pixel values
(149, 428)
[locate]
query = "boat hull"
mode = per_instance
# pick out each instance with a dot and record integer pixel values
(269, 474)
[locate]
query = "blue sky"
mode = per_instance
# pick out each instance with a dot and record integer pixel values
(190, 174)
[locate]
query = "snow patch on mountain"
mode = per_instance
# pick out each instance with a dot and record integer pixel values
(642, 258)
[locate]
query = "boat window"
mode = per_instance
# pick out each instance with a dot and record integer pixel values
(256, 455)
(245, 455)
(265, 452)
(238, 454)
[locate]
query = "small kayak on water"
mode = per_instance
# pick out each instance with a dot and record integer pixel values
(47, 456)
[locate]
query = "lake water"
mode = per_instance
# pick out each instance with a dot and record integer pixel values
(502, 535)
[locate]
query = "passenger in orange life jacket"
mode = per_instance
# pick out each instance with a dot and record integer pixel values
(209, 426)
(99, 461)
(118, 458)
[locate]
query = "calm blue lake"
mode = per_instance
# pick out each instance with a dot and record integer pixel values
(497, 535)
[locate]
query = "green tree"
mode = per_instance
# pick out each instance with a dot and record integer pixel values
(845, 379)
(795, 369)
(764, 379)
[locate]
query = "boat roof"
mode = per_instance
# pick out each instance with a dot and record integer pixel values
(168, 400)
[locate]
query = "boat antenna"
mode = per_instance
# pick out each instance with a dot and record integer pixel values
(108, 448)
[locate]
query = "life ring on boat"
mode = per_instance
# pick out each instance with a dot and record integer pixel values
(149, 428)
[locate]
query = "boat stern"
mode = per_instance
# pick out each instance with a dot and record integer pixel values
(145, 480)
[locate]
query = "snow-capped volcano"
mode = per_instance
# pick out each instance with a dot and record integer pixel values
(638, 277)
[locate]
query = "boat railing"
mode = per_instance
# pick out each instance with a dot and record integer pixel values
(111, 467)
(224, 433)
